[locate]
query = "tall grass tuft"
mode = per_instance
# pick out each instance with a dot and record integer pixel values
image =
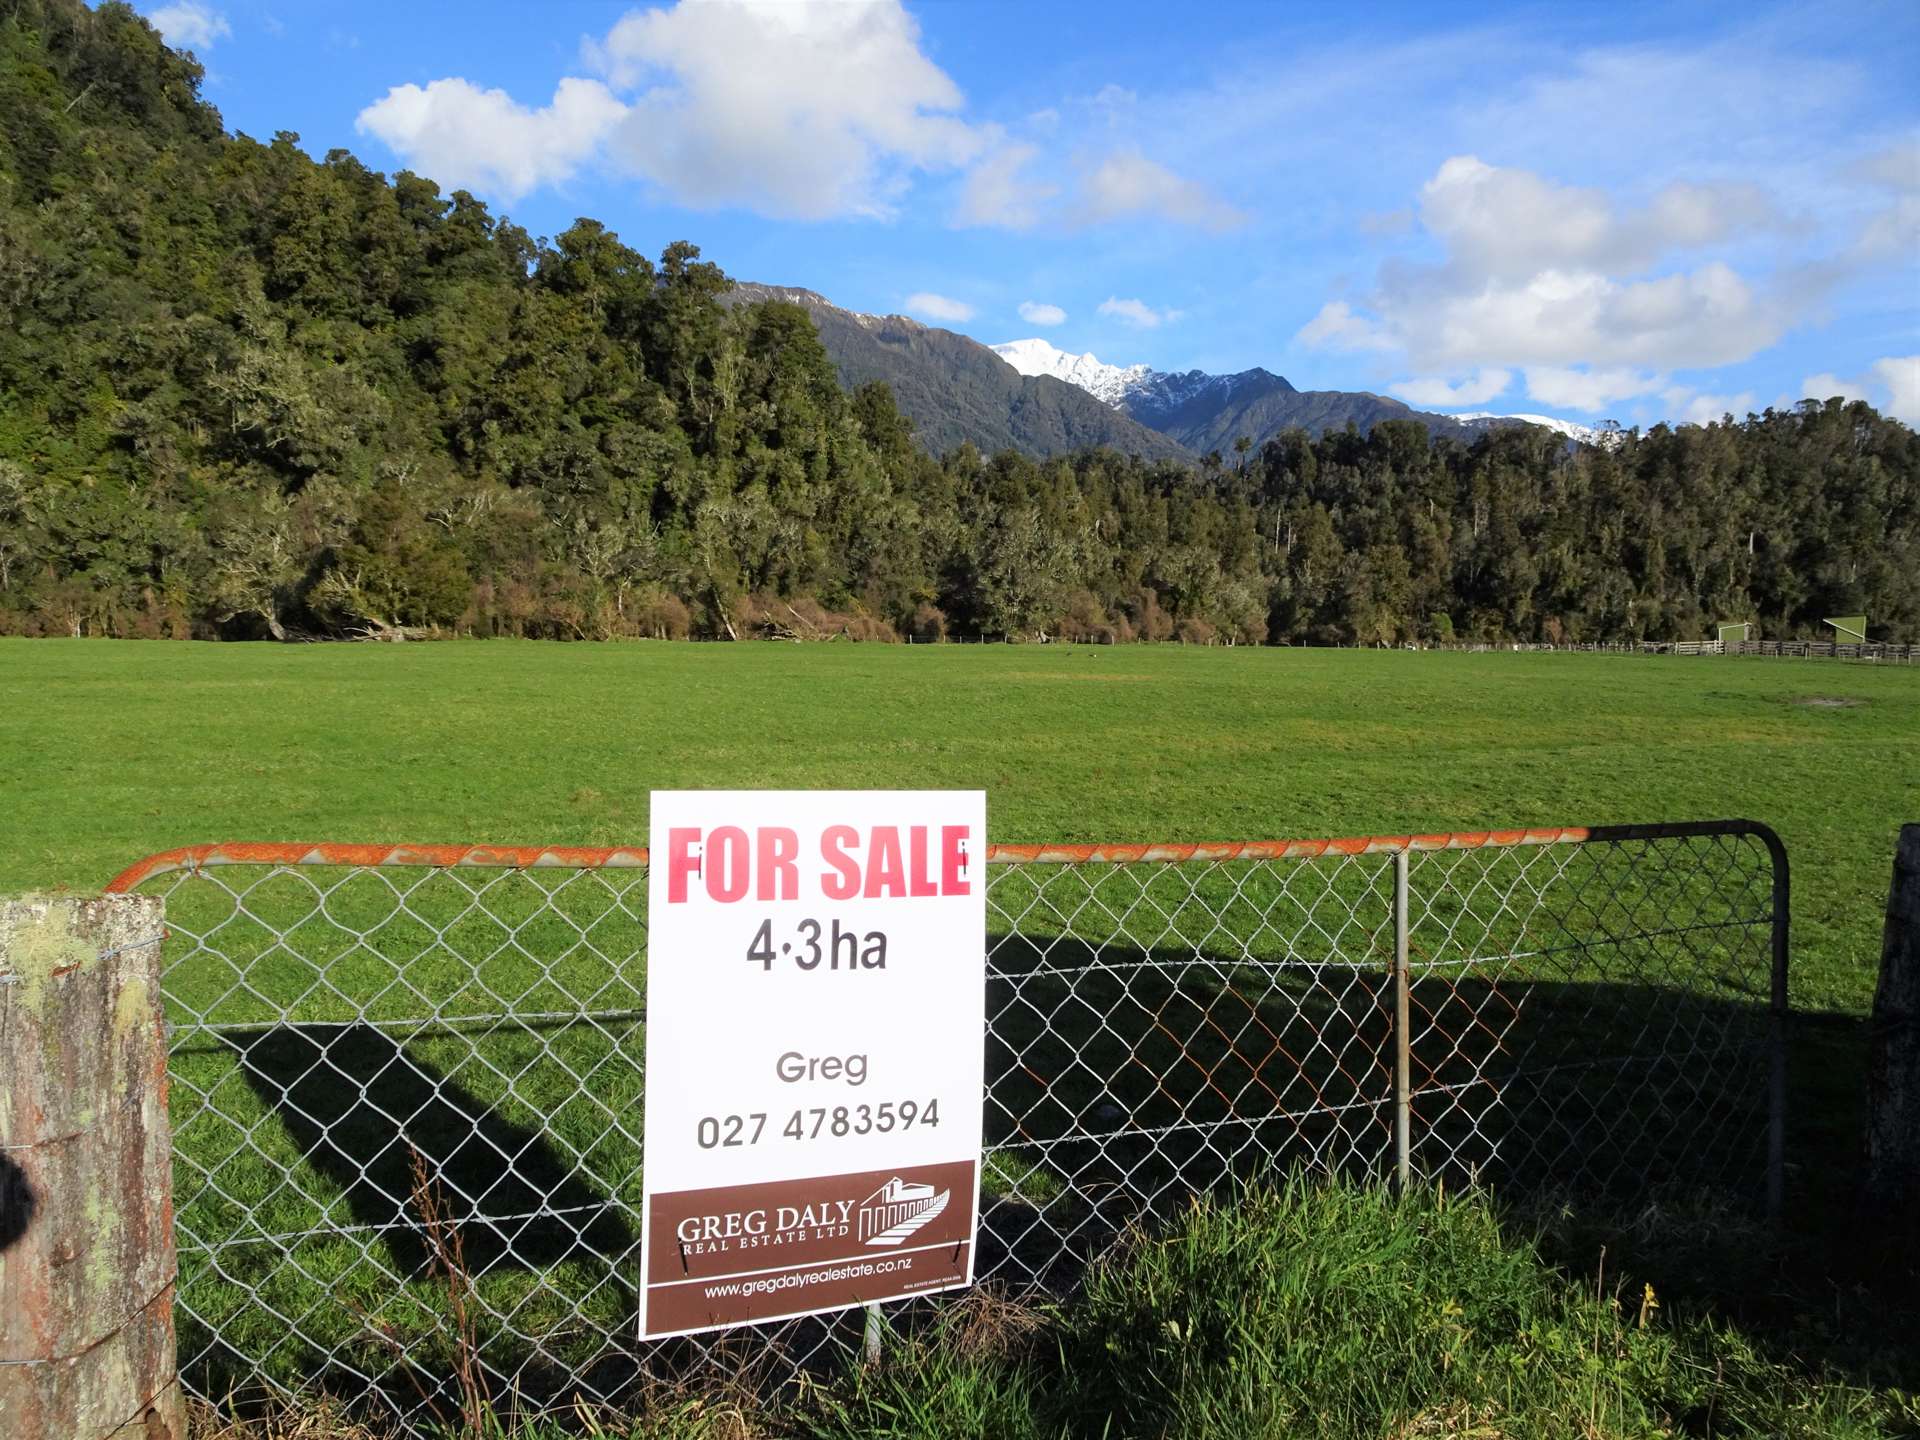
(1311, 1309)
(986, 1366)
(1335, 1310)
(1343, 1311)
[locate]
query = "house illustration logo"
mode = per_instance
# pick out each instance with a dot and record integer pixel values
(898, 1210)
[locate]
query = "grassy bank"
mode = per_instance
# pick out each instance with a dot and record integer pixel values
(1309, 1310)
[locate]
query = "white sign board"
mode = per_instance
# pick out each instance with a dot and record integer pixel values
(816, 1022)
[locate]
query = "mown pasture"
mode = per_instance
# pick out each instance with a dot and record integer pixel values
(114, 750)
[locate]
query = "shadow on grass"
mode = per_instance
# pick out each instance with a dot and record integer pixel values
(359, 1106)
(1121, 1082)
(1830, 1286)
(1623, 1124)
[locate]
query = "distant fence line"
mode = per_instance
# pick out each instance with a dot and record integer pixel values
(1782, 649)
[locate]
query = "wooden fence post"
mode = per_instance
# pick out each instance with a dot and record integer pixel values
(86, 1189)
(1893, 1057)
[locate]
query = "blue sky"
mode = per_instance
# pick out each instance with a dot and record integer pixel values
(1626, 212)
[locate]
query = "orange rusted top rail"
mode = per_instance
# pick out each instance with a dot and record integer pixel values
(1277, 849)
(568, 857)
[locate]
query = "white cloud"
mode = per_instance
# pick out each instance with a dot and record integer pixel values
(466, 137)
(1337, 327)
(1035, 312)
(1512, 225)
(1137, 313)
(1901, 375)
(190, 25)
(1126, 183)
(1590, 390)
(1826, 386)
(796, 111)
(1434, 392)
(938, 307)
(1695, 409)
(1548, 276)
(997, 193)
(1001, 191)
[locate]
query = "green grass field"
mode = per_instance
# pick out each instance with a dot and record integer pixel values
(119, 750)
(116, 750)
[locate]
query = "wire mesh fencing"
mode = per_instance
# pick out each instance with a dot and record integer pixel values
(362, 1037)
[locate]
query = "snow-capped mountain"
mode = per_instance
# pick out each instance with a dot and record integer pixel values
(957, 391)
(1585, 434)
(1150, 396)
(1206, 411)
(1031, 396)
(1109, 383)
(1165, 393)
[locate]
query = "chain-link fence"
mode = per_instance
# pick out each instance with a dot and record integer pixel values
(1597, 1010)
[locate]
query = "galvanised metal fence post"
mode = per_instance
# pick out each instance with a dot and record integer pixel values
(1402, 1037)
(1777, 1039)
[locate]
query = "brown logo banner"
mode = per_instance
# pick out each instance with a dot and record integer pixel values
(745, 1253)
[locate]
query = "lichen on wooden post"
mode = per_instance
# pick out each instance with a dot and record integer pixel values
(1893, 1057)
(86, 1193)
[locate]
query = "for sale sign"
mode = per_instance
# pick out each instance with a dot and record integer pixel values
(816, 994)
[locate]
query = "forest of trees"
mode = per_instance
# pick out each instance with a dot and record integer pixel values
(244, 393)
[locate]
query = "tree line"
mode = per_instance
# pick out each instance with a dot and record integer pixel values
(244, 393)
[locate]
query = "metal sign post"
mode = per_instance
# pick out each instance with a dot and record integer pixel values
(816, 991)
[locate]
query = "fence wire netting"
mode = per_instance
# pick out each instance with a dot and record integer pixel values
(1588, 1011)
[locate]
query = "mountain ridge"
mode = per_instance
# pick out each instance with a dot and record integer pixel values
(1133, 388)
(1029, 395)
(956, 390)
(1207, 412)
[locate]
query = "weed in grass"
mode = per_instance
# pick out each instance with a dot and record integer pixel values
(447, 1264)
